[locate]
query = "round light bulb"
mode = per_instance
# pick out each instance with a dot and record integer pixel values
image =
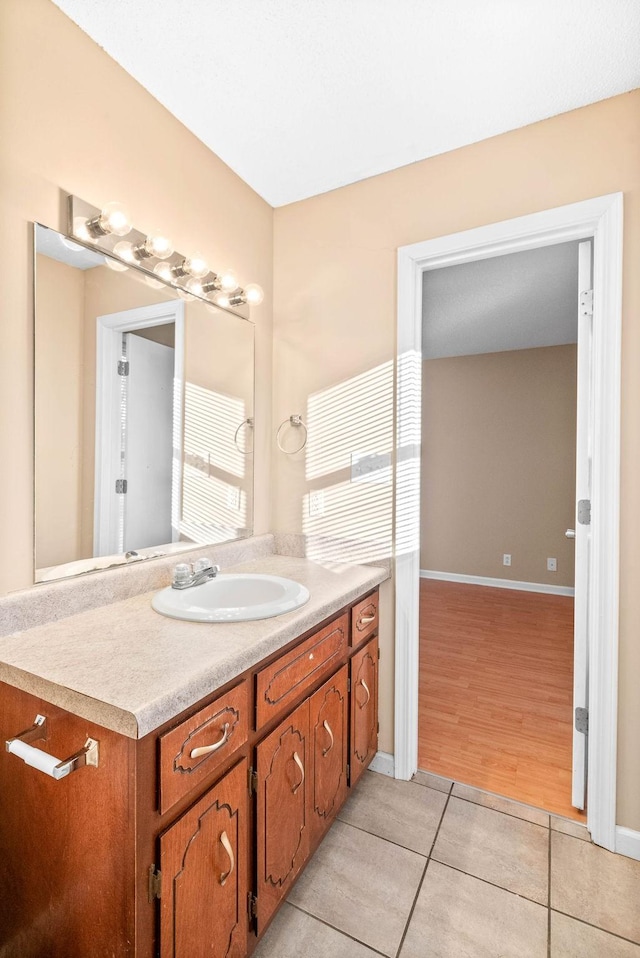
(80, 229)
(116, 266)
(115, 219)
(196, 265)
(222, 299)
(163, 270)
(124, 250)
(154, 283)
(158, 245)
(195, 286)
(228, 280)
(253, 294)
(74, 247)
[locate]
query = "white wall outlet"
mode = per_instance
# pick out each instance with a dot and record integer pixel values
(506, 559)
(552, 565)
(233, 498)
(316, 503)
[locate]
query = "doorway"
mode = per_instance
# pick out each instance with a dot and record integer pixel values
(600, 219)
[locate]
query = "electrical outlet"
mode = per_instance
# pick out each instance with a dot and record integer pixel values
(552, 565)
(506, 559)
(316, 503)
(233, 498)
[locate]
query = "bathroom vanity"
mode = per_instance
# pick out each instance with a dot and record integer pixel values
(189, 833)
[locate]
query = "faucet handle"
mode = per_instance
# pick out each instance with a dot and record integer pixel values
(181, 573)
(201, 564)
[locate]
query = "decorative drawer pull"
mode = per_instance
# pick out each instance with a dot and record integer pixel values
(226, 844)
(53, 767)
(296, 759)
(206, 749)
(366, 688)
(325, 751)
(366, 619)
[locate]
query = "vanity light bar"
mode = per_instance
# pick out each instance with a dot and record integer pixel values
(110, 230)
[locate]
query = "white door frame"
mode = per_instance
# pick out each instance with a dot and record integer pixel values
(109, 329)
(601, 219)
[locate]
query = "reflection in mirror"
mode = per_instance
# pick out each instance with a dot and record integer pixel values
(143, 415)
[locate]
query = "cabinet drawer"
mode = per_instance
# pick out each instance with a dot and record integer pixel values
(280, 684)
(364, 619)
(213, 734)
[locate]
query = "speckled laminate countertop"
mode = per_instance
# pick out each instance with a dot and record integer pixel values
(125, 667)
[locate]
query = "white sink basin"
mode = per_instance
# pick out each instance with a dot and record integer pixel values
(232, 598)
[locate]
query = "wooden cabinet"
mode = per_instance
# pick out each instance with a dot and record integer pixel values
(364, 708)
(184, 843)
(328, 726)
(203, 861)
(282, 835)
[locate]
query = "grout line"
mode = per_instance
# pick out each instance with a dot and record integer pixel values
(501, 811)
(549, 895)
(421, 882)
(390, 841)
(605, 931)
(345, 934)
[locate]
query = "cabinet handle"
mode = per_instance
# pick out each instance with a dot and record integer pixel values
(366, 688)
(206, 749)
(296, 759)
(325, 751)
(226, 844)
(366, 619)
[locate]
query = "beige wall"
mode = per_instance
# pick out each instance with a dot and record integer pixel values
(71, 120)
(498, 464)
(58, 412)
(335, 310)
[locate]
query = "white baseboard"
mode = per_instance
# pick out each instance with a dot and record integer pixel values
(384, 763)
(498, 583)
(627, 842)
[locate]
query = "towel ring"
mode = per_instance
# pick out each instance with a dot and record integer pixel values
(249, 423)
(296, 421)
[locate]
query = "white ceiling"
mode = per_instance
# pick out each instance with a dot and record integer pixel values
(517, 301)
(303, 96)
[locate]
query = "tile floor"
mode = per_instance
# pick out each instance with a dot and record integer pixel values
(432, 869)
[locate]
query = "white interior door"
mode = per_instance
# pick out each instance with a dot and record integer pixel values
(149, 443)
(582, 520)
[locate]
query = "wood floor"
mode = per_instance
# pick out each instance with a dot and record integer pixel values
(496, 673)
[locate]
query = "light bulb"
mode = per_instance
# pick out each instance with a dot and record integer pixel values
(80, 228)
(221, 299)
(114, 219)
(187, 297)
(228, 280)
(195, 286)
(154, 283)
(253, 294)
(158, 245)
(116, 266)
(163, 270)
(196, 265)
(124, 250)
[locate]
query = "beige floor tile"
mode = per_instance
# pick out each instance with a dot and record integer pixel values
(402, 812)
(500, 804)
(294, 933)
(457, 916)
(567, 827)
(572, 939)
(591, 883)
(361, 885)
(433, 781)
(499, 848)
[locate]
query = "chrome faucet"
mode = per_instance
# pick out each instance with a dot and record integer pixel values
(185, 578)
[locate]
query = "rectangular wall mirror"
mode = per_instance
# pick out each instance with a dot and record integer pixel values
(143, 415)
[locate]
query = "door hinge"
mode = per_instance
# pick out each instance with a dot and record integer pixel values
(252, 905)
(582, 721)
(348, 774)
(123, 367)
(586, 302)
(584, 512)
(121, 486)
(349, 684)
(155, 883)
(252, 777)
(378, 728)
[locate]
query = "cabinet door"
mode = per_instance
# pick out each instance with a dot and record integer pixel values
(328, 718)
(282, 761)
(203, 859)
(364, 708)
